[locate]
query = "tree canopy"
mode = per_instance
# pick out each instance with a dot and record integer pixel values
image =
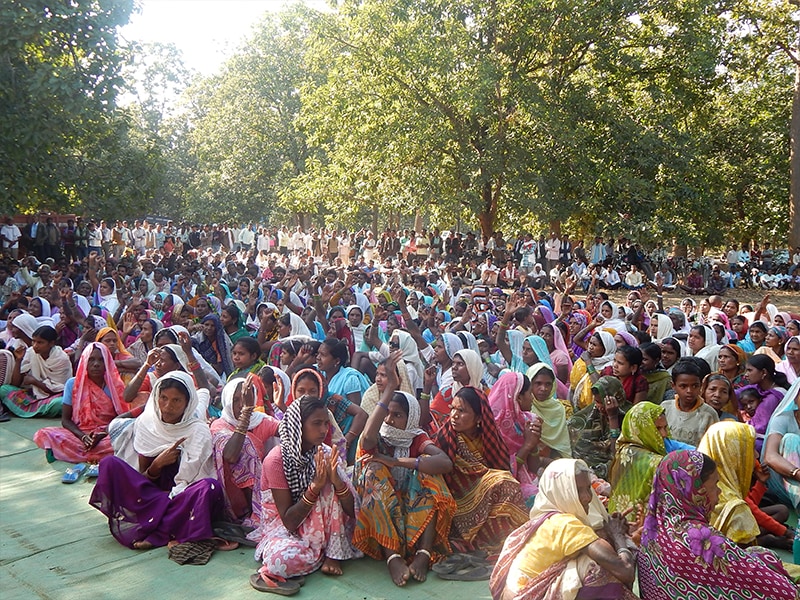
(656, 120)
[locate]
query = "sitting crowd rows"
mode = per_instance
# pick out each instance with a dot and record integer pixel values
(557, 446)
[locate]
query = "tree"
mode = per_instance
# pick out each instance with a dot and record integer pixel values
(59, 75)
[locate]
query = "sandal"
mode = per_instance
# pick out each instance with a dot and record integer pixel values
(282, 588)
(225, 545)
(470, 573)
(456, 562)
(93, 471)
(74, 473)
(232, 532)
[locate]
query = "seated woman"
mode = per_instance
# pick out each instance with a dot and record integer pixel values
(702, 343)
(550, 412)
(374, 393)
(232, 320)
(214, 345)
(737, 515)
(145, 340)
(345, 386)
(731, 364)
(406, 508)
(91, 400)
(625, 367)
(307, 503)
(126, 364)
(599, 354)
(791, 365)
(172, 497)
(489, 499)
(240, 438)
(683, 556)
(511, 399)
(782, 449)
(659, 381)
(38, 377)
(717, 392)
(569, 548)
(595, 429)
(467, 370)
(246, 357)
(639, 450)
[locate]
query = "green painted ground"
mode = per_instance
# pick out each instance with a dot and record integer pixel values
(54, 545)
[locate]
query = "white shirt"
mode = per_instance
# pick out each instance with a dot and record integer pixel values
(11, 233)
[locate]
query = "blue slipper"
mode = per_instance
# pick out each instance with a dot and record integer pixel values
(93, 471)
(74, 473)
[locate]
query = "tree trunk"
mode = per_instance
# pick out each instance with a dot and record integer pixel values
(490, 197)
(794, 165)
(417, 221)
(375, 221)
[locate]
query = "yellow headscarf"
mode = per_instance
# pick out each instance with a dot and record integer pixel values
(732, 446)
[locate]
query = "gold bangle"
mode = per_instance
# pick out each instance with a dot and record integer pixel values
(343, 492)
(306, 501)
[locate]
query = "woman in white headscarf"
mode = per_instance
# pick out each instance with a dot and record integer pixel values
(241, 437)
(660, 328)
(406, 508)
(558, 554)
(599, 354)
(172, 495)
(702, 343)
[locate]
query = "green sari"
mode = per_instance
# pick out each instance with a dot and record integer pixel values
(639, 451)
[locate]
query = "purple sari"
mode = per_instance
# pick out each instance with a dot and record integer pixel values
(139, 509)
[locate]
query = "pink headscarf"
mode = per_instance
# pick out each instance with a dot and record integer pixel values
(507, 413)
(87, 396)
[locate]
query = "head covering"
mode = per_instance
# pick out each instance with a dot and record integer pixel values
(228, 392)
(539, 347)
(664, 328)
(299, 326)
(629, 339)
(732, 446)
(609, 386)
(639, 450)
(470, 341)
(223, 345)
(452, 344)
(103, 333)
(710, 350)
(680, 549)
(317, 376)
(474, 367)
(408, 346)
(741, 355)
(507, 412)
(26, 323)
(558, 492)
(495, 452)
(553, 415)
(298, 466)
(560, 344)
(401, 439)
(781, 332)
(84, 389)
(152, 435)
(342, 331)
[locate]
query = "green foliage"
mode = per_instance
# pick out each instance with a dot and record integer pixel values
(62, 143)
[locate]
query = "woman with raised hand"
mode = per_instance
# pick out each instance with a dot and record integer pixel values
(406, 508)
(307, 500)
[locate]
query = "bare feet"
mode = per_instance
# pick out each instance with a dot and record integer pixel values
(331, 566)
(143, 545)
(419, 566)
(398, 570)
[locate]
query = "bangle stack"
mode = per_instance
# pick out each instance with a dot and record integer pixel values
(794, 473)
(614, 433)
(424, 396)
(193, 366)
(502, 325)
(343, 492)
(306, 500)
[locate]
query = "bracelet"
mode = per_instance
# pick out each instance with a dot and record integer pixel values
(193, 366)
(614, 433)
(591, 370)
(520, 461)
(626, 550)
(383, 406)
(416, 463)
(306, 501)
(424, 396)
(503, 325)
(311, 493)
(794, 473)
(659, 295)
(149, 475)
(343, 492)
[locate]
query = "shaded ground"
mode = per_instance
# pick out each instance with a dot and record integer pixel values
(54, 545)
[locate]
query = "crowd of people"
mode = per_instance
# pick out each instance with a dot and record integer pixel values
(476, 408)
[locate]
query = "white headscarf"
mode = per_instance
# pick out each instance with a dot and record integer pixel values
(710, 350)
(401, 439)
(599, 363)
(299, 327)
(410, 352)
(664, 328)
(558, 492)
(228, 392)
(615, 322)
(26, 323)
(152, 435)
(474, 367)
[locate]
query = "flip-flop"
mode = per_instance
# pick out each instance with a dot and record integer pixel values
(93, 471)
(232, 532)
(470, 573)
(74, 473)
(456, 562)
(282, 588)
(225, 545)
